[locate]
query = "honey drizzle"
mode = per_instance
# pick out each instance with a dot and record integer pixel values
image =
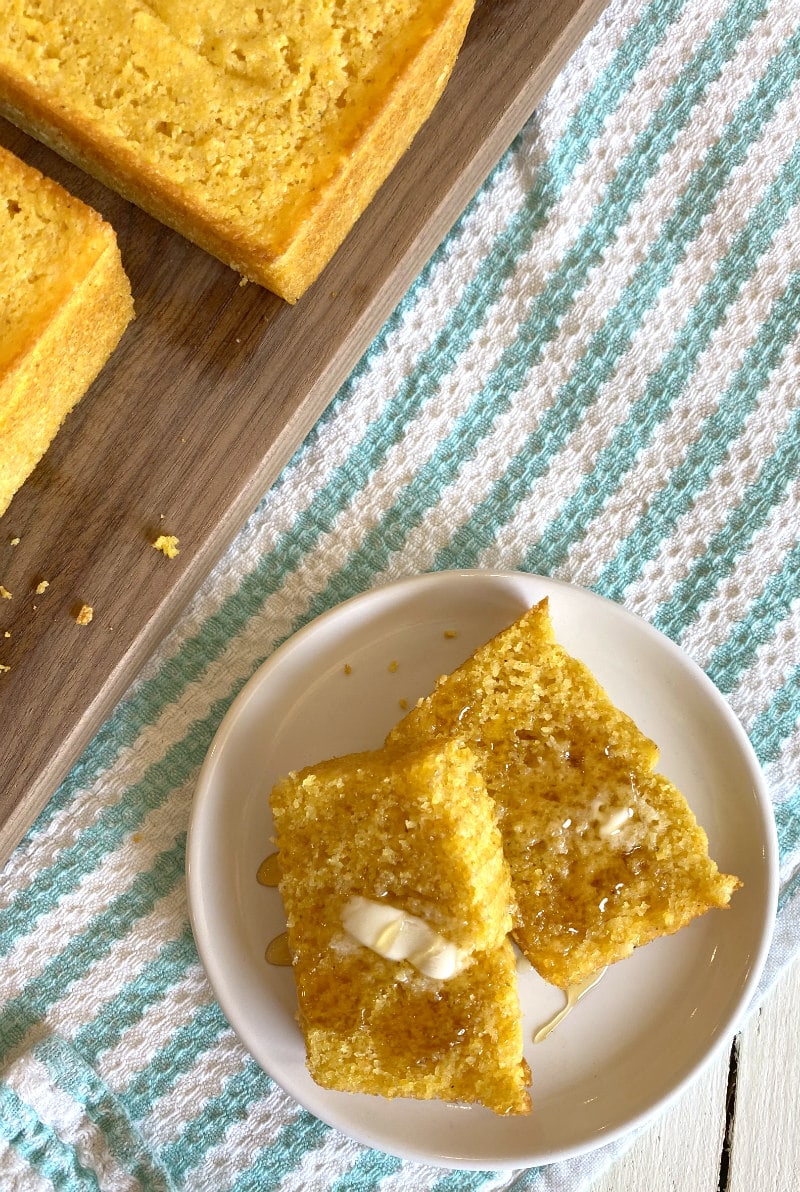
(573, 993)
(278, 950)
(269, 871)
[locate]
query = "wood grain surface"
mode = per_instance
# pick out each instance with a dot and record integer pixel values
(735, 1129)
(211, 389)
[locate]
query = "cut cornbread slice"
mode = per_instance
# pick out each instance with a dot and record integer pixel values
(259, 131)
(605, 854)
(381, 846)
(65, 303)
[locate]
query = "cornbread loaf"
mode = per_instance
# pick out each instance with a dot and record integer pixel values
(397, 899)
(64, 303)
(604, 852)
(259, 131)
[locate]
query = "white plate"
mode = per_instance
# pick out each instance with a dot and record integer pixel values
(636, 1039)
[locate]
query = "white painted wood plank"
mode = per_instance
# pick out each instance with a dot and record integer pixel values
(765, 1153)
(681, 1150)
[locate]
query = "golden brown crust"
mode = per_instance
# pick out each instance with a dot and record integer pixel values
(329, 212)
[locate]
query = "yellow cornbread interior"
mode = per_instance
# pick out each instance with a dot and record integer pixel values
(65, 303)
(232, 117)
(418, 832)
(605, 854)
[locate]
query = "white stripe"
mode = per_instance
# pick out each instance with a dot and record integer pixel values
(783, 775)
(84, 998)
(69, 1121)
(206, 1079)
(757, 684)
(243, 1140)
(140, 1042)
(55, 930)
(16, 1175)
(712, 507)
(730, 601)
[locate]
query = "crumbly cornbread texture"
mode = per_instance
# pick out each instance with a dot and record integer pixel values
(418, 833)
(605, 854)
(64, 303)
(259, 130)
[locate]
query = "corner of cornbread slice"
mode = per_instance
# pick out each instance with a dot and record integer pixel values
(402, 851)
(65, 303)
(605, 853)
(259, 131)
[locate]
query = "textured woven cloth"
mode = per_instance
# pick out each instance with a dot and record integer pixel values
(596, 377)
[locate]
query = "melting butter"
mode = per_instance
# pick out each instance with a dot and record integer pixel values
(397, 935)
(269, 871)
(573, 994)
(613, 823)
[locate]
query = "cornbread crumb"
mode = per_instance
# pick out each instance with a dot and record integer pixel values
(42, 587)
(348, 670)
(415, 832)
(604, 852)
(4, 593)
(167, 544)
(261, 132)
(450, 633)
(7, 633)
(4, 668)
(393, 666)
(84, 614)
(15, 541)
(403, 703)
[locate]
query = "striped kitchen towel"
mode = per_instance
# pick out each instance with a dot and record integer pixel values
(595, 377)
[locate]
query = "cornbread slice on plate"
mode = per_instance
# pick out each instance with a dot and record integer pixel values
(605, 853)
(64, 303)
(259, 131)
(397, 899)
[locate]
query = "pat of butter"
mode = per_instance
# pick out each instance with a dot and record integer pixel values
(396, 935)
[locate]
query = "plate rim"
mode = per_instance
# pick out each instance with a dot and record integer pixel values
(398, 587)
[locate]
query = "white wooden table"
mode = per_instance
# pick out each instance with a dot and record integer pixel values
(737, 1129)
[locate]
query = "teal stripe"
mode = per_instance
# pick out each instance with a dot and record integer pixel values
(775, 724)
(788, 892)
(127, 1007)
(23, 1012)
(40, 1147)
(367, 1172)
(608, 345)
(772, 604)
(787, 822)
(112, 825)
(209, 1127)
(169, 1063)
(197, 652)
(68, 1072)
(694, 473)
(275, 1163)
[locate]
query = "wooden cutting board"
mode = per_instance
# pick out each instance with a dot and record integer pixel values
(210, 391)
